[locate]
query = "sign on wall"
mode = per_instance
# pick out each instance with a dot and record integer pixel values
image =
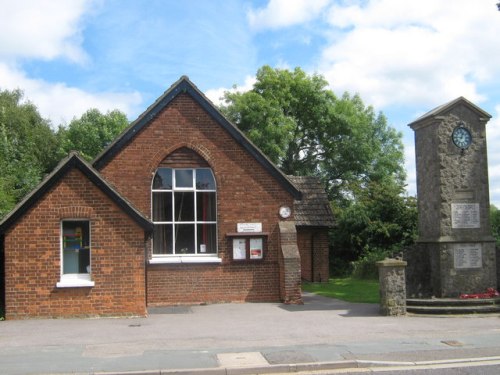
(467, 255)
(465, 215)
(249, 227)
(239, 248)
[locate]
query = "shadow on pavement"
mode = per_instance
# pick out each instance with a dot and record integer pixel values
(313, 302)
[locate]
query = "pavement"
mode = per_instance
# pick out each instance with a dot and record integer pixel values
(246, 338)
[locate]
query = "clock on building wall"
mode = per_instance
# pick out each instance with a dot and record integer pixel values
(285, 212)
(461, 136)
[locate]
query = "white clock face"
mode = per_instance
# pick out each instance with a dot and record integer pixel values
(461, 137)
(285, 212)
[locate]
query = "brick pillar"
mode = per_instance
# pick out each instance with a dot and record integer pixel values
(392, 287)
(290, 278)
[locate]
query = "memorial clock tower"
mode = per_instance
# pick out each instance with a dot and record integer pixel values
(454, 233)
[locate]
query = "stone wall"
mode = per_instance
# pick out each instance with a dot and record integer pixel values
(447, 177)
(392, 287)
(418, 272)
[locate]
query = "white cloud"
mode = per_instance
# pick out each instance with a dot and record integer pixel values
(400, 52)
(411, 172)
(284, 13)
(216, 95)
(42, 29)
(61, 103)
(49, 30)
(493, 139)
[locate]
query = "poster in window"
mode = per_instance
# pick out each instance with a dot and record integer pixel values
(256, 248)
(239, 248)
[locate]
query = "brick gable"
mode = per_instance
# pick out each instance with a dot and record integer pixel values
(33, 261)
(245, 193)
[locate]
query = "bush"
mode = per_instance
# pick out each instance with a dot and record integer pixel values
(366, 266)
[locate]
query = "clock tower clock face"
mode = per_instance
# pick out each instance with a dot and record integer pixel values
(461, 137)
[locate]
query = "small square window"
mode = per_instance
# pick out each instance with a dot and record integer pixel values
(183, 178)
(75, 254)
(205, 179)
(163, 179)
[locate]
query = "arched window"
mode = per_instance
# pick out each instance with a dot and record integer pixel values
(184, 212)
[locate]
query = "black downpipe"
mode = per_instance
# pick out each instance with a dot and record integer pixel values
(312, 257)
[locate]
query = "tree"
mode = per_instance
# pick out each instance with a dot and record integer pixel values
(306, 130)
(495, 223)
(92, 132)
(27, 148)
(381, 222)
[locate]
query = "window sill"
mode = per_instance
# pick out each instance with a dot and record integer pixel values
(76, 281)
(185, 259)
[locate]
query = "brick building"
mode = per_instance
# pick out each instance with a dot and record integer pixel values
(181, 209)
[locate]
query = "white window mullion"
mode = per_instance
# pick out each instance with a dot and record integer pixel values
(195, 214)
(173, 214)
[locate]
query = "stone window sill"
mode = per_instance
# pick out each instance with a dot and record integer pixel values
(75, 281)
(185, 259)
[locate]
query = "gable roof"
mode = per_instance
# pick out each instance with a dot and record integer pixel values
(185, 86)
(73, 160)
(314, 209)
(446, 107)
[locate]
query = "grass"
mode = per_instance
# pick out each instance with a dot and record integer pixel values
(348, 289)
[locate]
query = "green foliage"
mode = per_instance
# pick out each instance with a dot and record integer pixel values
(347, 289)
(306, 130)
(380, 221)
(495, 223)
(91, 133)
(298, 122)
(27, 148)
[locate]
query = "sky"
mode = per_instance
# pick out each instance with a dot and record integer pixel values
(403, 57)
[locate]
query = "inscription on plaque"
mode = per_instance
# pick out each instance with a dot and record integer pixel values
(465, 215)
(467, 255)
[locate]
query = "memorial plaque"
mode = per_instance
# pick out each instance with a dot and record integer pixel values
(467, 255)
(465, 215)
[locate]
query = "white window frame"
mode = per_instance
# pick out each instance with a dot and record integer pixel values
(197, 257)
(74, 280)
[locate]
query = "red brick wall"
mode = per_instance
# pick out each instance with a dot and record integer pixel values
(246, 192)
(304, 240)
(315, 241)
(32, 256)
(188, 284)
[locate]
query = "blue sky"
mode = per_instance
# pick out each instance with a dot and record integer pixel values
(403, 57)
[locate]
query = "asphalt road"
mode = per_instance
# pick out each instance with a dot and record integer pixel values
(226, 338)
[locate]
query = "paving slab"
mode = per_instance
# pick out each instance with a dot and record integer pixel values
(322, 332)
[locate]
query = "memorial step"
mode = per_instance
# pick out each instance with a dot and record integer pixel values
(453, 306)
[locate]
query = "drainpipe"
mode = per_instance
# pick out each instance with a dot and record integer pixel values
(312, 257)
(147, 237)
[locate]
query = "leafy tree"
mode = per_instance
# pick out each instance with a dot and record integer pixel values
(27, 148)
(380, 222)
(92, 132)
(495, 223)
(306, 130)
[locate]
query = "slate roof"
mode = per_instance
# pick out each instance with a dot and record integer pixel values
(185, 86)
(73, 160)
(447, 106)
(314, 209)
